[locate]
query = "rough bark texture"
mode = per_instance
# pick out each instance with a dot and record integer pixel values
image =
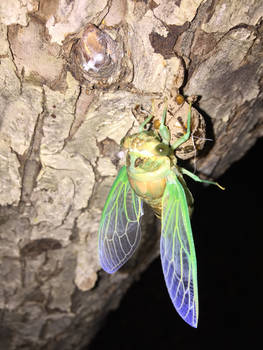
(62, 116)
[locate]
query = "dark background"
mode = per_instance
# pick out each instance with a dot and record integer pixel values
(227, 227)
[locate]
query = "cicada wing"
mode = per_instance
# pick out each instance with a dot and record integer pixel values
(119, 232)
(178, 252)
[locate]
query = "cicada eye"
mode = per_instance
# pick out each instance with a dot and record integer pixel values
(179, 99)
(156, 124)
(122, 142)
(162, 149)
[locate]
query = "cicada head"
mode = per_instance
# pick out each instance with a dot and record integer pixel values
(146, 153)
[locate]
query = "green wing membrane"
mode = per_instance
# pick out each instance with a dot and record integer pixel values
(119, 232)
(178, 252)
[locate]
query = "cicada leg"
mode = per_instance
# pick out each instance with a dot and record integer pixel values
(163, 130)
(196, 178)
(186, 136)
(145, 122)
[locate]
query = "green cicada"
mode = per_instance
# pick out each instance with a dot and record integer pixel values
(151, 175)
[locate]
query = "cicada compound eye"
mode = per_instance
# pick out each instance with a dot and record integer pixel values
(162, 149)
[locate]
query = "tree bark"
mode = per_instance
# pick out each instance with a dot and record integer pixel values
(71, 75)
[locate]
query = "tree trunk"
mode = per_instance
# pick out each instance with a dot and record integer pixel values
(72, 75)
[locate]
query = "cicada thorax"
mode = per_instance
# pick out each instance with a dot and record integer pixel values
(148, 163)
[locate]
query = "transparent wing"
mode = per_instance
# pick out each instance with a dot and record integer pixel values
(119, 232)
(178, 252)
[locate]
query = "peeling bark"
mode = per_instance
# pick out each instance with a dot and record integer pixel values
(61, 123)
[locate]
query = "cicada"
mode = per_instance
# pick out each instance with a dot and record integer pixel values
(152, 175)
